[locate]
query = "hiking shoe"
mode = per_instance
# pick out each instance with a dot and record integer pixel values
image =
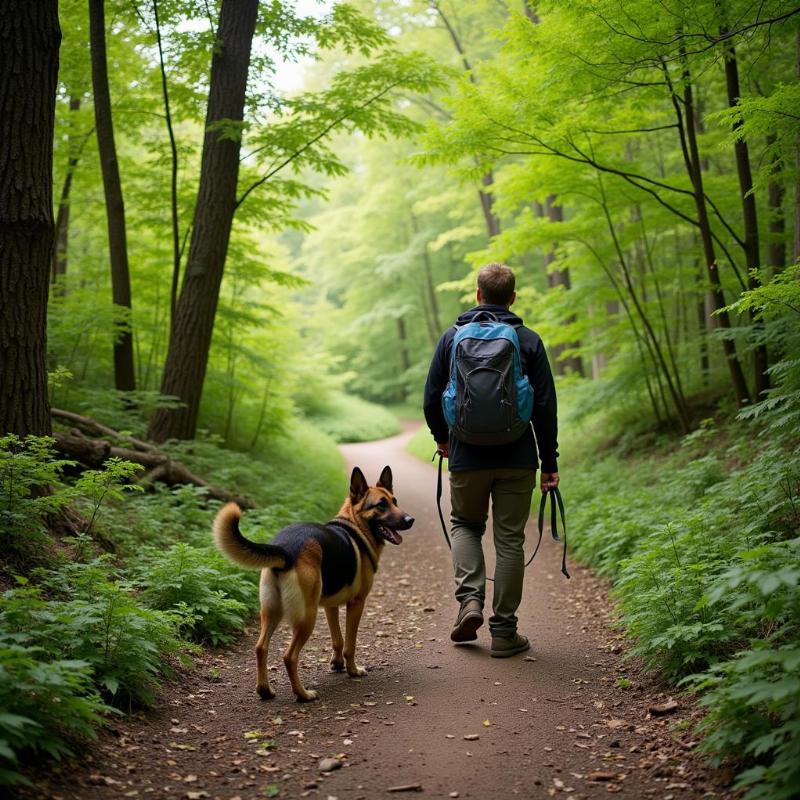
(505, 646)
(469, 619)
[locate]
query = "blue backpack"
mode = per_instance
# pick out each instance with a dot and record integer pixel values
(488, 400)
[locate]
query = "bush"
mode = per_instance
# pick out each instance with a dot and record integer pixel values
(26, 465)
(46, 703)
(216, 596)
(89, 616)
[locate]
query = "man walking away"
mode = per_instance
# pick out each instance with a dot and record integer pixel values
(504, 472)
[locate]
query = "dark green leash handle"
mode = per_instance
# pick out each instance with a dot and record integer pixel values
(556, 502)
(556, 499)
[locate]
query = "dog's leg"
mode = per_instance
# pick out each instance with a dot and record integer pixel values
(337, 659)
(355, 609)
(300, 633)
(271, 613)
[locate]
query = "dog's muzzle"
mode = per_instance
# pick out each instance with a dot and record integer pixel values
(390, 534)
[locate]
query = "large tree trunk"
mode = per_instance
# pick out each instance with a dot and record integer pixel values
(124, 376)
(29, 40)
(193, 324)
(62, 217)
(749, 215)
(693, 167)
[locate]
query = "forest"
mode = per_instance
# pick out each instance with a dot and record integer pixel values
(231, 235)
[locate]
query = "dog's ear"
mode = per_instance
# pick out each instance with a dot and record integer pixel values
(385, 479)
(358, 485)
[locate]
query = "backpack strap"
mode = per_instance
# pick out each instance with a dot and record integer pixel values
(489, 316)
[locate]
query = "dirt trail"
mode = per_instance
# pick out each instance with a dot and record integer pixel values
(553, 722)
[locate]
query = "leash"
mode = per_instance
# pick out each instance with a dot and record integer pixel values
(557, 502)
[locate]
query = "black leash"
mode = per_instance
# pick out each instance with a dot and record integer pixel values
(557, 500)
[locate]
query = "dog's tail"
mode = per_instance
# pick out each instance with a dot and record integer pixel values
(249, 554)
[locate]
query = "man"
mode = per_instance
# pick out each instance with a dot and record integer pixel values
(506, 473)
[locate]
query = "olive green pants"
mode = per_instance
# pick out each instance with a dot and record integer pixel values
(510, 491)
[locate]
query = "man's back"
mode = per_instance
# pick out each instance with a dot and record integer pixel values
(520, 453)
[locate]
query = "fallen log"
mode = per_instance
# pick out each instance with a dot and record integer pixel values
(92, 427)
(159, 466)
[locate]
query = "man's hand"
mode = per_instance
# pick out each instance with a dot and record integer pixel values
(443, 448)
(549, 481)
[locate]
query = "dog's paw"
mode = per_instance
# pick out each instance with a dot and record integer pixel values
(307, 697)
(265, 692)
(337, 665)
(356, 672)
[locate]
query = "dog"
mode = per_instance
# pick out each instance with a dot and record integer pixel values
(309, 565)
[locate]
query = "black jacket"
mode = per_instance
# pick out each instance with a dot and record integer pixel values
(522, 452)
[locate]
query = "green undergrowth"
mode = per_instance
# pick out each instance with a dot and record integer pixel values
(91, 624)
(346, 418)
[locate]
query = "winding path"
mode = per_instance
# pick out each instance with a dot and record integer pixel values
(554, 722)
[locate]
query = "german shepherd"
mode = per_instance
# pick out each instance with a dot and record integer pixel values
(309, 565)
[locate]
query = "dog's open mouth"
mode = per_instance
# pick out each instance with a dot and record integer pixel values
(387, 533)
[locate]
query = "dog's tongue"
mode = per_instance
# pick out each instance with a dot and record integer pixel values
(394, 537)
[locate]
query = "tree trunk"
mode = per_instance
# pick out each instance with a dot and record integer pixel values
(749, 215)
(405, 361)
(487, 205)
(29, 40)
(692, 160)
(176, 240)
(193, 324)
(486, 199)
(124, 376)
(776, 250)
(560, 277)
(797, 166)
(62, 217)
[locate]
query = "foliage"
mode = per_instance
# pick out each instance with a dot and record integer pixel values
(45, 701)
(349, 419)
(25, 466)
(214, 598)
(79, 611)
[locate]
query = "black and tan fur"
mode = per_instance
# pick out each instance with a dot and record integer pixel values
(309, 565)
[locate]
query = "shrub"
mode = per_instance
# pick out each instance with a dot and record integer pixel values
(215, 596)
(89, 616)
(46, 703)
(26, 465)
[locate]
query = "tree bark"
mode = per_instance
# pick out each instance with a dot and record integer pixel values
(193, 323)
(749, 216)
(124, 376)
(30, 37)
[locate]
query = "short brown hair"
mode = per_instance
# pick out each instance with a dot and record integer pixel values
(496, 282)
